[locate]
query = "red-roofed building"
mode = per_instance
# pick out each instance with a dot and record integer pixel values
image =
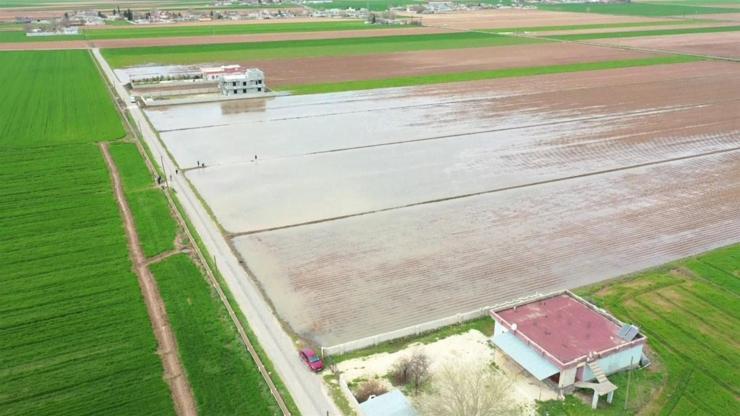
(568, 341)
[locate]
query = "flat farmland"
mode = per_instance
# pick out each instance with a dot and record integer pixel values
(726, 45)
(370, 211)
(515, 18)
(316, 70)
(689, 311)
(76, 338)
(239, 52)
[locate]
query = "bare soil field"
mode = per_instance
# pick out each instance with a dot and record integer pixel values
(346, 68)
(419, 203)
(206, 40)
(678, 25)
(726, 44)
(510, 18)
(732, 17)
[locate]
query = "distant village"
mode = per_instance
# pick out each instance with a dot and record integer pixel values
(70, 22)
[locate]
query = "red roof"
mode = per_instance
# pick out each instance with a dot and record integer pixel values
(563, 326)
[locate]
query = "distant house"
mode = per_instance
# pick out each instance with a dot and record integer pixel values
(568, 341)
(215, 73)
(393, 403)
(251, 81)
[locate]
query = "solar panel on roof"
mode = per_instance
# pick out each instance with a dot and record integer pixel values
(628, 332)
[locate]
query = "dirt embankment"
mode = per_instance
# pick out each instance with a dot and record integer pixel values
(175, 375)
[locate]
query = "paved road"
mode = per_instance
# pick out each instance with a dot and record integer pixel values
(305, 387)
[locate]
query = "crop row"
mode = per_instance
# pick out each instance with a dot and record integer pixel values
(76, 338)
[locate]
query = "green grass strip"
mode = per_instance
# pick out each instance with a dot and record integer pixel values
(154, 223)
(240, 52)
(636, 9)
(639, 33)
(596, 26)
(481, 75)
(216, 30)
(224, 378)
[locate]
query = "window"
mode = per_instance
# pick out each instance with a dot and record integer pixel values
(259, 81)
(244, 84)
(233, 84)
(244, 90)
(259, 89)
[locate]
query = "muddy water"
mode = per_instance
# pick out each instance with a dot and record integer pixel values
(457, 196)
(369, 274)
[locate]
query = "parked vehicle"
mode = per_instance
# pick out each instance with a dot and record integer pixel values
(312, 360)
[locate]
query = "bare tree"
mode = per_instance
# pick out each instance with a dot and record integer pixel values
(418, 369)
(412, 369)
(399, 372)
(462, 389)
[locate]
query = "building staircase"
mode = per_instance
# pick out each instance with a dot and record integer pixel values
(601, 387)
(598, 372)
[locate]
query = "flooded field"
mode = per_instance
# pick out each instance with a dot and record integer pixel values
(366, 212)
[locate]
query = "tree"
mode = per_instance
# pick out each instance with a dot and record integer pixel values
(465, 389)
(412, 369)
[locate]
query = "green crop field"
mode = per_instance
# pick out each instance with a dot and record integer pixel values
(596, 26)
(216, 30)
(76, 338)
(481, 75)
(635, 9)
(224, 377)
(240, 52)
(156, 227)
(640, 33)
(138, 32)
(690, 311)
(54, 98)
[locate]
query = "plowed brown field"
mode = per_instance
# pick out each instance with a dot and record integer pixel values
(345, 68)
(510, 18)
(726, 44)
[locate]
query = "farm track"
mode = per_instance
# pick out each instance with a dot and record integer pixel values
(176, 377)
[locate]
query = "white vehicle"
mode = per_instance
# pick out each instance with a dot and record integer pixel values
(132, 99)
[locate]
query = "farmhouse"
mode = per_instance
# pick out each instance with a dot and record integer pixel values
(567, 341)
(250, 81)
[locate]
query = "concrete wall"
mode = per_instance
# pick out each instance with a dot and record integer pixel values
(616, 362)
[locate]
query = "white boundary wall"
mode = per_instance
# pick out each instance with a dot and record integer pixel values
(419, 329)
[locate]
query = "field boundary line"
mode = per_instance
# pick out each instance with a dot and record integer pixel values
(489, 191)
(422, 328)
(176, 377)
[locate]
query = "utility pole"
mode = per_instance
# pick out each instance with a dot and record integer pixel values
(164, 171)
(629, 378)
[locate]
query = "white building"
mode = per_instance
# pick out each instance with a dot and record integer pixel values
(215, 73)
(251, 81)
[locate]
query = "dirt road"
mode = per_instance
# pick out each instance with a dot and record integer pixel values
(182, 395)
